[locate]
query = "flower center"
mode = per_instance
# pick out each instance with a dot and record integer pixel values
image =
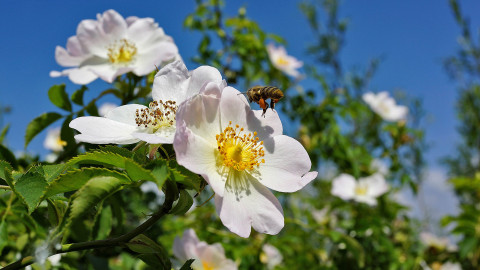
(240, 151)
(282, 61)
(158, 114)
(361, 190)
(60, 142)
(207, 266)
(122, 52)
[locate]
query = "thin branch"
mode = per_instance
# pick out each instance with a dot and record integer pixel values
(5, 187)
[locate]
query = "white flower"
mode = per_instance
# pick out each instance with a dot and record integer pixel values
(154, 124)
(111, 46)
(105, 108)
(238, 152)
(53, 141)
(207, 257)
(440, 243)
(270, 256)
(365, 190)
(55, 259)
(282, 61)
(385, 106)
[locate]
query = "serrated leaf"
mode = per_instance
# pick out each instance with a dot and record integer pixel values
(31, 187)
(74, 180)
(117, 150)
(38, 124)
(52, 171)
(93, 192)
(58, 96)
(137, 173)
(185, 201)
(5, 170)
(8, 156)
(77, 96)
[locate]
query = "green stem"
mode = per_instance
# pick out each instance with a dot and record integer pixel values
(118, 241)
(5, 187)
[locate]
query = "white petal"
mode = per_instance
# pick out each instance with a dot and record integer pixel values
(91, 37)
(343, 186)
(234, 107)
(202, 75)
(125, 114)
(186, 247)
(199, 156)
(113, 24)
(285, 165)
(141, 30)
(376, 185)
(63, 58)
(99, 130)
(247, 203)
(81, 76)
(266, 126)
(103, 69)
(164, 136)
(147, 61)
(215, 258)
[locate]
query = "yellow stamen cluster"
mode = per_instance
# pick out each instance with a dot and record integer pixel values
(207, 266)
(361, 190)
(158, 114)
(122, 52)
(282, 61)
(61, 142)
(240, 152)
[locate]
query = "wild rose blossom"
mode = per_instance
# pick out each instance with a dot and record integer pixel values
(154, 124)
(53, 141)
(207, 257)
(365, 190)
(240, 154)
(282, 61)
(111, 46)
(270, 256)
(106, 108)
(385, 106)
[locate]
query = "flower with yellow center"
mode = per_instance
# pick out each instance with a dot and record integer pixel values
(155, 124)
(111, 46)
(365, 190)
(385, 106)
(240, 154)
(284, 62)
(53, 141)
(206, 257)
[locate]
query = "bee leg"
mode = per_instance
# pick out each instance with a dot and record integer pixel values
(263, 105)
(272, 103)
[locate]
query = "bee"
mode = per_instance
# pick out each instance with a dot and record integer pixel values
(260, 94)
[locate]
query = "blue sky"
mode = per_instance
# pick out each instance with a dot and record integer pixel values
(412, 37)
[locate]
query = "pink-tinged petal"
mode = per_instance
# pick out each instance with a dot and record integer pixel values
(125, 114)
(343, 186)
(74, 47)
(113, 24)
(186, 247)
(234, 107)
(215, 258)
(162, 136)
(266, 126)
(76, 75)
(63, 58)
(286, 163)
(202, 75)
(141, 30)
(103, 69)
(198, 156)
(130, 20)
(91, 38)
(99, 130)
(200, 114)
(247, 203)
(147, 61)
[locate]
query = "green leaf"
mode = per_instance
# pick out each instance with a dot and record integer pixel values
(151, 253)
(59, 97)
(8, 156)
(74, 180)
(185, 201)
(67, 135)
(6, 171)
(93, 192)
(104, 223)
(50, 172)
(159, 170)
(77, 96)
(4, 133)
(38, 124)
(181, 175)
(31, 187)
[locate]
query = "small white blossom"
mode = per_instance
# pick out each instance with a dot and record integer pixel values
(53, 141)
(105, 108)
(440, 243)
(385, 106)
(365, 190)
(111, 46)
(282, 61)
(270, 256)
(207, 257)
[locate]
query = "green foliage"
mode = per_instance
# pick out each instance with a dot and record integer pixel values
(38, 124)
(59, 97)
